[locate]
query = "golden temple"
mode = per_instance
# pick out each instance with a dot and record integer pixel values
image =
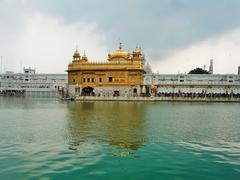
(121, 75)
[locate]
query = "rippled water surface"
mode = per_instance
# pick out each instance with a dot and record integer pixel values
(51, 139)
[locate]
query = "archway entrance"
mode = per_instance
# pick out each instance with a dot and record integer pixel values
(116, 93)
(88, 91)
(135, 92)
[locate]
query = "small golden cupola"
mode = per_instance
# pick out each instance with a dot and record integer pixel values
(137, 52)
(76, 55)
(84, 57)
(120, 53)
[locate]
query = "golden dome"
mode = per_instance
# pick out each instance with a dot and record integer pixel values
(84, 57)
(137, 50)
(76, 53)
(120, 53)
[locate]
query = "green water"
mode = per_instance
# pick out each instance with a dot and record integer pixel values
(51, 139)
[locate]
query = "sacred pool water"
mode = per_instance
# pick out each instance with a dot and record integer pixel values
(53, 139)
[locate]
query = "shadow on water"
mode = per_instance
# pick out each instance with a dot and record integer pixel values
(116, 124)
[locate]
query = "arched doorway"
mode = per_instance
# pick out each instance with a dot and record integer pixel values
(135, 92)
(88, 91)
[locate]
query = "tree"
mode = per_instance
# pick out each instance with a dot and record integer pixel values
(198, 71)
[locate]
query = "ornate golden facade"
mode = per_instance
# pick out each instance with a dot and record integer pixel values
(121, 74)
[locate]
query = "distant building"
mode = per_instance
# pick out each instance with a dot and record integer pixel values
(121, 75)
(211, 67)
(192, 83)
(33, 83)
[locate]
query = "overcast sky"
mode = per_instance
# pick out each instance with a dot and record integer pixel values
(176, 35)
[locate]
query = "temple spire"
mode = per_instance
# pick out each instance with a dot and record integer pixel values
(84, 57)
(120, 45)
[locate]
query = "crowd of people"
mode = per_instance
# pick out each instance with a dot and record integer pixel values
(12, 93)
(198, 95)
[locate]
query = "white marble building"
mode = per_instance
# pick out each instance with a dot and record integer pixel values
(192, 83)
(32, 82)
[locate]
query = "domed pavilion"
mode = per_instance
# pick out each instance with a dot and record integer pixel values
(120, 75)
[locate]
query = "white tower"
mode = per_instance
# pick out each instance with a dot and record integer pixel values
(211, 67)
(204, 67)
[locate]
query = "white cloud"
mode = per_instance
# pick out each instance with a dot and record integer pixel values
(224, 50)
(47, 43)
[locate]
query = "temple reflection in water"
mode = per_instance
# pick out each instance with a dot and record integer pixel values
(116, 124)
